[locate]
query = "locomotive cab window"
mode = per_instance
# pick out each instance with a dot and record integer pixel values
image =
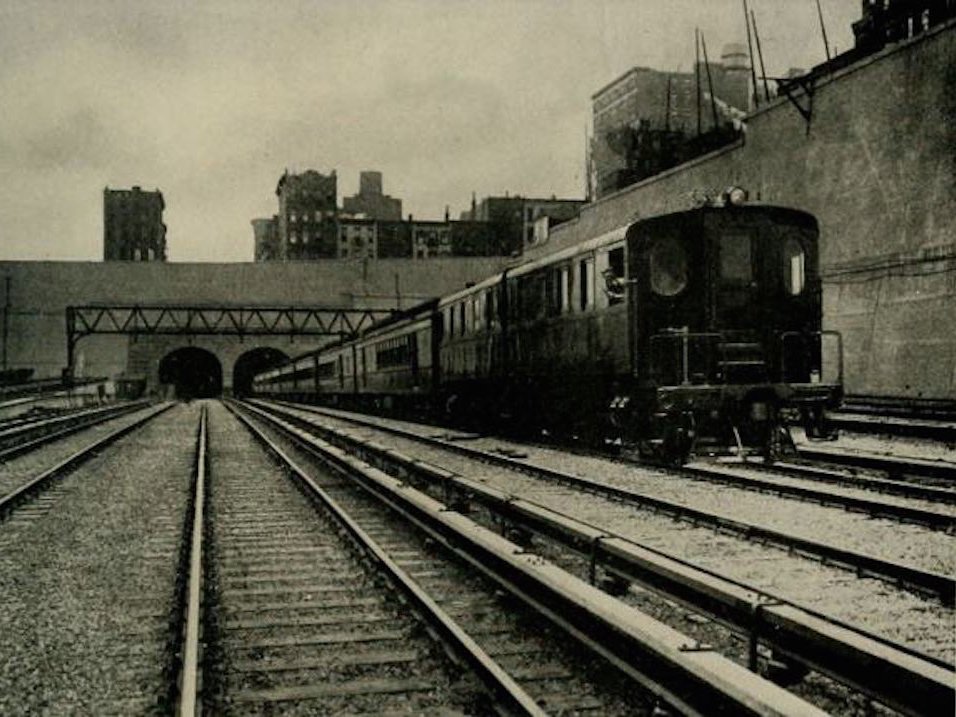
(794, 266)
(668, 266)
(736, 260)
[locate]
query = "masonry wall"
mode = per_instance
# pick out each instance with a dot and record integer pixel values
(41, 291)
(877, 166)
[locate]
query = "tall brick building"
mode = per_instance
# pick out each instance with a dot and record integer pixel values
(370, 225)
(519, 220)
(306, 226)
(133, 228)
(645, 120)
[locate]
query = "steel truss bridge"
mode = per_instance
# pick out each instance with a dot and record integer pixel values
(241, 321)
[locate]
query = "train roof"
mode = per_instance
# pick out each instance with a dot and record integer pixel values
(479, 286)
(610, 237)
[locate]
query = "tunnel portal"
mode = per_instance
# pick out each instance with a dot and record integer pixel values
(251, 363)
(191, 373)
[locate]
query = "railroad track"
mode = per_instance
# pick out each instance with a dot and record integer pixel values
(658, 491)
(937, 429)
(487, 617)
(875, 682)
(895, 467)
(25, 435)
(89, 569)
(17, 489)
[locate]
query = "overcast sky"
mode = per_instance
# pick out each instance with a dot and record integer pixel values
(210, 101)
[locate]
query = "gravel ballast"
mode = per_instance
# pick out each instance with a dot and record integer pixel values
(88, 577)
(873, 604)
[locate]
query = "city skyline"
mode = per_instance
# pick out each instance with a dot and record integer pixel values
(211, 105)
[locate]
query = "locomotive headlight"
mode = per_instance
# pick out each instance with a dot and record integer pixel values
(736, 196)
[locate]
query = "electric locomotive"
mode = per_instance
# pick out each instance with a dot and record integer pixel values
(725, 330)
(688, 332)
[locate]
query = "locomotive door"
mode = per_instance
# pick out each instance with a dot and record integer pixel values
(737, 303)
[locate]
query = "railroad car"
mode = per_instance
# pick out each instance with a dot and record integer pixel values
(393, 365)
(685, 332)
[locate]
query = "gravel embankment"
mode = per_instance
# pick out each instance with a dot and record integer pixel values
(870, 603)
(18, 470)
(88, 578)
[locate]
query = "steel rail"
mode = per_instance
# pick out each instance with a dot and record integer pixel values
(75, 423)
(189, 672)
(892, 674)
(726, 473)
(893, 465)
(937, 430)
(936, 584)
(509, 694)
(31, 425)
(10, 501)
(687, 675)
(853, 480)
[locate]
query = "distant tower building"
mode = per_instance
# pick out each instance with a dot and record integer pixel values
(370, 201)
(732, 81)
(133, 228)
(266, 233)
(307, 227)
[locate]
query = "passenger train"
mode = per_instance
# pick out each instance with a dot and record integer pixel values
(678, 334)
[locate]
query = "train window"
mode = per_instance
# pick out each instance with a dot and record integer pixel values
(552, 282)
(614, 276)
(668, 261)
(736, 262)
(794, 266)
(586, 273)
(565, 289)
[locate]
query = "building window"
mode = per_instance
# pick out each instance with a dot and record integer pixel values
(292, 217)
(293, 238)
(137, 255)
(151, 254)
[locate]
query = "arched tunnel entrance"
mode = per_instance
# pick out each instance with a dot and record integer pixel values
(192, 373)
(251, 363)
